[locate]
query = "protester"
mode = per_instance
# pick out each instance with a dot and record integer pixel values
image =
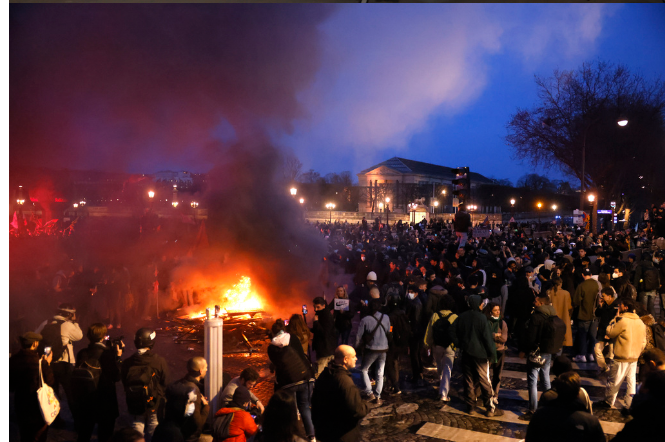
(324, 335)
(97, 404)
(562, 304)
(24, 381)
(297, 327)
(499, 330)
(280, 421)
(144, 378)
(544, 337)
(585, 299)
(462, 224)
(337, 407)
(561, 365)
(60, 334)
(293, 371)
(562, 420)
(376, 326)
(472, 335)
(605, 313)
(628, 333)
(414, 308)
(399, 323)
(242, 425)
(342, 318)
(194, 415)
(248, 379)
(439, 339)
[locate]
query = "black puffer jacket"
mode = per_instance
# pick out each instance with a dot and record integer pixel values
(533, 336)
(289, 360)
(324, 334)
(336, 406)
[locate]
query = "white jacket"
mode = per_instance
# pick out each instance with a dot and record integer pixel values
(70, 332)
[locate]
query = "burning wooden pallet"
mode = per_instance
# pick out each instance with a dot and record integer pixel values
(243, 331)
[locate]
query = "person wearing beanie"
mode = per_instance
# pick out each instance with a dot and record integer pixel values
(24, 382)
(242, 423)
(471, 333)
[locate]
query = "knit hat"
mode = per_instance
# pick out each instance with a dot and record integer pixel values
(241, 396)
(371, 276)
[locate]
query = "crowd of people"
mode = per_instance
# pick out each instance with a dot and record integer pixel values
(428, 293)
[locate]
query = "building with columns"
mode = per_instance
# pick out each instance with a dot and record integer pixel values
(404, 181)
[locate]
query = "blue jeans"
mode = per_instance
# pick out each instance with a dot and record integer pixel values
(368, 359)
(586, 336)
(303, 393)
(532, 380)
(145, 424)
(647, 299)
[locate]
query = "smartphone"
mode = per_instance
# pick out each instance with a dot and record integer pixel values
(47, 351)
(286, 322)
(304, 309)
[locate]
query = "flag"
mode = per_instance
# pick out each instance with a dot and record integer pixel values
(487, 221)
(512, 220)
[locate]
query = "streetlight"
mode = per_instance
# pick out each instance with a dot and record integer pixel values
(151, 194)
(302, 200)
(539, 206)
(436, 204)
(594, 214)
(380, 207)
(294, 191)
(330, 207)
(553, 206)
(194, 204)
(174, 204)
(387, 212)
(622, 122)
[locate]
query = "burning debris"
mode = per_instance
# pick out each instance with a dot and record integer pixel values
(245, 323)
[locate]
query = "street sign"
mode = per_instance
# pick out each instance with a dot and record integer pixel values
(455, 202)
(605, 212)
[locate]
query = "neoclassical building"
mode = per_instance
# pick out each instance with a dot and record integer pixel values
(403, 180)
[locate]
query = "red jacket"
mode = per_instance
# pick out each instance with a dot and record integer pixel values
(242, 425)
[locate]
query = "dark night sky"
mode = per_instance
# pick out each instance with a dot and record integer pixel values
(143, 88)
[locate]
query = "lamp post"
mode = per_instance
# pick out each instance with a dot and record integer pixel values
(387, 211)
(294, 191)
(330, 207)
(174, 204)
(539, 207)
(594, 214)
(302, 201)
(436, 204)
(512, 207)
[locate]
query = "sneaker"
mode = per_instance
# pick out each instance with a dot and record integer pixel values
(370, 397)
(592, 359)
(579, 358)
(526, 416)
(495, 400)
(601, 405)
(379, 401)
(443, 398)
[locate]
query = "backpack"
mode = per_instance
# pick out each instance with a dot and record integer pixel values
(52, 337)
(139, 389)
(441, 331)
(650, 280)
(221, 425)
(85, 379)
(552, 335)
(401, 330)
(393, 292)
(368, 337)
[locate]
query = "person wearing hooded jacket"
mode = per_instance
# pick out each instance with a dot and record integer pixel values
(242, 424)
(293, 371)
(472, 335)
(499, 330)
(533, 339)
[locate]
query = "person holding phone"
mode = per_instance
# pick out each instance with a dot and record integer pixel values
(24, 381)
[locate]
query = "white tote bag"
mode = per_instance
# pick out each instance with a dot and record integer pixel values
(48, 403)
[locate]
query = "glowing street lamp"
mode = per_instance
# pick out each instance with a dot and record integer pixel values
(330, 207)
(82, 203)
(594, 212)
(302, 200)
(75, 205)
(294, 191)
(151, 194)
(539, 205)
(622, 122)
(592, 197)
(175, 204)
(194, 204)
(553, 206)
(380, 206)
(512, 201)
(436, 204)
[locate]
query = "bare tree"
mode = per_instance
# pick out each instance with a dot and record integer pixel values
(292, 168)
(578, 112)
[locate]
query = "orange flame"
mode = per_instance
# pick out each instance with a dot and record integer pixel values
(239, 298)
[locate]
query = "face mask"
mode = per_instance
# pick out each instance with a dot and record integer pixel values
(411, 296)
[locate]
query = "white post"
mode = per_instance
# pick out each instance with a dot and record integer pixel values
(213, 355)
